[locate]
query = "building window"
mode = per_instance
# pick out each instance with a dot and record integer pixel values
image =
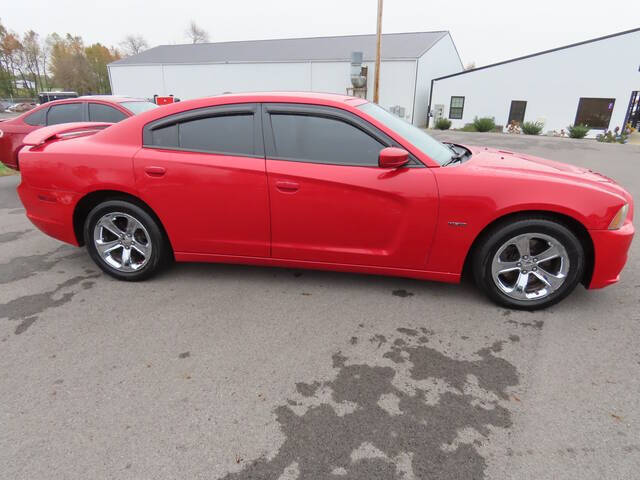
(456, 108)
(516, 112)
(595, 112)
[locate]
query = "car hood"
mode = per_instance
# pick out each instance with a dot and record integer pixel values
(524, 165)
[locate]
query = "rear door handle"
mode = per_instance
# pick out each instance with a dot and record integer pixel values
(155, 171)
(287, 186)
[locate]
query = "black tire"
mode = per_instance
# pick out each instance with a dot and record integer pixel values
(501, 234)
(160, 252)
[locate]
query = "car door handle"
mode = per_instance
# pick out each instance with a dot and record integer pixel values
(155, 171)
(287, 186)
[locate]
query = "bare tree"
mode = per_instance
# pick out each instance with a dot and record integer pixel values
(196, 34)
(133, 45)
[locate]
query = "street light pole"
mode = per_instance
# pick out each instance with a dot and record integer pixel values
(376, 78)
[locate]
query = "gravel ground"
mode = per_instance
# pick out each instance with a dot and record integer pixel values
(234, 372)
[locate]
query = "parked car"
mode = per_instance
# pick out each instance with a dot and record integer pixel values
(21, 107)
(44, 97)
(99, 108)
(326, 182)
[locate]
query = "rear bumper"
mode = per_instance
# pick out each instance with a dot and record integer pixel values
(50, 211)
(611, 249)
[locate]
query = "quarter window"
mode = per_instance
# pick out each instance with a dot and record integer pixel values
(315, 139)
(456, 108)
(104, 113)
(595, 112)
(68, 112)
(36, 118)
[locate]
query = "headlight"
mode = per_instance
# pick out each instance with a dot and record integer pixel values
(620, 217)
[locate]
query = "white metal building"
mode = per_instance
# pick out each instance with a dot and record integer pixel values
(595, 82)
(409, 62)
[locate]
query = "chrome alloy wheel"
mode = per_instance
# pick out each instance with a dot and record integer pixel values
(122, 242)
(530, 266)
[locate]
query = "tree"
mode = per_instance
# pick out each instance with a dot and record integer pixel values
(133, 45)
(196, 34)
(98, 57)
(69, 64)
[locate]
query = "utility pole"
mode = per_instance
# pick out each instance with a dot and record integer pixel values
(376, 78)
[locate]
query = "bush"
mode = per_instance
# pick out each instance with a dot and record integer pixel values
(443, 124)
(578, 131)
(484, 124)
(616, 136)
(468, 127)
(532, 128)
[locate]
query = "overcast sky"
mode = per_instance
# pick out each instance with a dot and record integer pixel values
(484, 31)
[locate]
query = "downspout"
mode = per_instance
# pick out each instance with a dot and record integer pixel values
(429, 107)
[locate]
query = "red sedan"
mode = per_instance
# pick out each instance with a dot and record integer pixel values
(99, 108)
(327, 182)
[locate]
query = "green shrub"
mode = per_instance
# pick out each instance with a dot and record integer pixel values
(616, 136)
(443, 124)
(532, 128)
(4, 170)
(484, 124)
(468, 127)
(578, 131)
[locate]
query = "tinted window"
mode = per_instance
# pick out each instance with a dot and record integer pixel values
(36, 118)
(165, 137)
(595, 112)
(323, 140)
(69, 112)
(231, 134)
(104, 113)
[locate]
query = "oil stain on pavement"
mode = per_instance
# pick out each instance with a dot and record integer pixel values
(414, 412)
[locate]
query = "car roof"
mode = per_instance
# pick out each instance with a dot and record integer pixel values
(112, 98)
(266, 96)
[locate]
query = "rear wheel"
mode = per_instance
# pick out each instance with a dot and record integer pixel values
(124, 240)
(529, 264)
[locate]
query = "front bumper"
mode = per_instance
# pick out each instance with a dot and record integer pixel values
(610, 249)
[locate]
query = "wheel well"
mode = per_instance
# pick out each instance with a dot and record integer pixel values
(571, 223)
(89, 201)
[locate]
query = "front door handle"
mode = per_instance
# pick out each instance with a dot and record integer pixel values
(287, 186)
(155, 171)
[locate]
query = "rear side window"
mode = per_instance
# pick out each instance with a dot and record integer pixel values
(68, 112)
(231, 134)
(323, 140)
(36, 118)
(104, 113)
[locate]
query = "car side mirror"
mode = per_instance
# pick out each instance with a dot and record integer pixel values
(392, 157)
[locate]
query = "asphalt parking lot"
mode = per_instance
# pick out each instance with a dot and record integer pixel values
(235, 372)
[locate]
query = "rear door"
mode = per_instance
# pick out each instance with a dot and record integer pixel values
(203, 173)
(330, 202)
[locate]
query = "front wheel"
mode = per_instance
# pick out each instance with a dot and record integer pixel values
(529, 264)
(124, 240)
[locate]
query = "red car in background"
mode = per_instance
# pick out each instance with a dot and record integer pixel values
(99, 108)
(322, 181)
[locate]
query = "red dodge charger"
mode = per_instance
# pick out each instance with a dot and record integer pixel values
(96, 108)
(322, 181)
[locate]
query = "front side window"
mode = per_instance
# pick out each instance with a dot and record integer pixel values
(595, 112)
(456, 108)
(36, 118)
(65, 113)
(104, 113)
(318, 139)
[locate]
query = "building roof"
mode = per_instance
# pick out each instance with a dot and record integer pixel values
(394, 46)
(544, 52)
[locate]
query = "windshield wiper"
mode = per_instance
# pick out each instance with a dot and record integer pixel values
(456, 157)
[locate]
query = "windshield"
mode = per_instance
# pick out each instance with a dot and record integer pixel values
(138, 107)
(424, 142)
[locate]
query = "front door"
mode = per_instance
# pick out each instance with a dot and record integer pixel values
(203, 173)
(331, 203)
